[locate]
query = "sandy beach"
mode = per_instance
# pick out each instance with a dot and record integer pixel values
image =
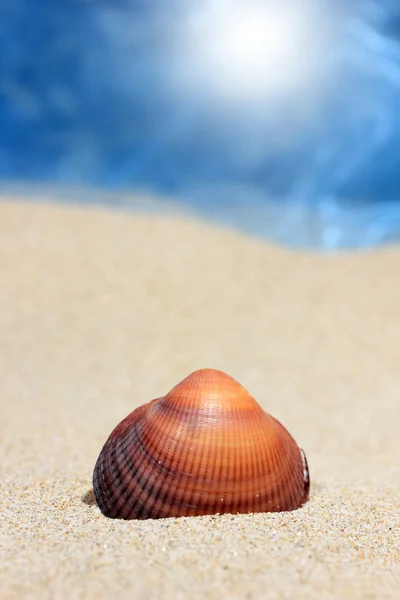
(101, 311)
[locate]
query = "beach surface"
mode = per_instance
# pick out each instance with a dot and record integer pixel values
(101, 311)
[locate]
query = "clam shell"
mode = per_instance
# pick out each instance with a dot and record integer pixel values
(206, 447)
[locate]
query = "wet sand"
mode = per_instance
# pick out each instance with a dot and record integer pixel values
(101, 311)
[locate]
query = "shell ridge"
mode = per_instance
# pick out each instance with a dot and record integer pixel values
(258, 461)
(280, 465)
(105, 474)
(125, 474)
(289, 482)
(151, 484)
(141, 494)
(241, 458)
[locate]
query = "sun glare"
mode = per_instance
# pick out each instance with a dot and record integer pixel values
(240, 52)
(255, 52)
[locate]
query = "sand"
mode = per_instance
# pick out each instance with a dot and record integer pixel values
(101, 311)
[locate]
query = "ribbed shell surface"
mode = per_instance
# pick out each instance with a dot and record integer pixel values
(206, 447)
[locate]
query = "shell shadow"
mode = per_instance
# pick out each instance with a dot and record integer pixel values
(89, 498)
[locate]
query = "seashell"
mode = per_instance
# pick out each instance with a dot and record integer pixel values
(206, 447)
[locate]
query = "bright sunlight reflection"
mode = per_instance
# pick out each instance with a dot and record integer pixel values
(240, 51)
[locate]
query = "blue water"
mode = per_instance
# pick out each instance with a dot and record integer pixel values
(87, 97)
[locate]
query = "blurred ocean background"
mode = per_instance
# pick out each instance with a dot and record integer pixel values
(279, 118)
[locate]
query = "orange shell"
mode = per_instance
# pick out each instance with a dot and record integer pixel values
(206, 447)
